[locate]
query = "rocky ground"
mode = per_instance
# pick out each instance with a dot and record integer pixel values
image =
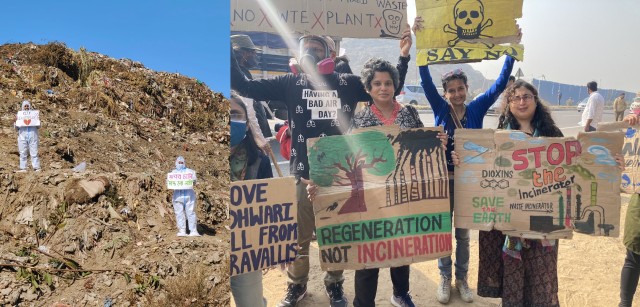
(127, 123)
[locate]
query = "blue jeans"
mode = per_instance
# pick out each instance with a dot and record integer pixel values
(462, 248)
(247, 289)
(462, 256)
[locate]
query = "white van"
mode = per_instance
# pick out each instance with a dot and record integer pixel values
(414, 94)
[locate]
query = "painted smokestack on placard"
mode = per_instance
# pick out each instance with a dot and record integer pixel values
(567, 218)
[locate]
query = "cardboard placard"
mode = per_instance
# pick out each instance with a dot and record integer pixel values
(29, 118)
(343, 18)
(383, 199)
(462, 31)
(264, 224)
(630, 178)
(180, 181)
(538, 187)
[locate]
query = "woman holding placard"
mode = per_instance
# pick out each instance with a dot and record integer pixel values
(246, 162)
(452, 113)
(380, 79)
(27, 124)
(523, 272)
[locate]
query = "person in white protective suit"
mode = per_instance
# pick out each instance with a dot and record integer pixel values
(184, 203)
(28, 143)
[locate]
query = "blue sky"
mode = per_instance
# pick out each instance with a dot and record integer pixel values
(190, 37)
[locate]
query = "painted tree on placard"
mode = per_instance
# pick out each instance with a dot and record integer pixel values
(341, 161)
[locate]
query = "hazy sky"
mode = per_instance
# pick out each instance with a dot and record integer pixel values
(189, 37)
(576, 41)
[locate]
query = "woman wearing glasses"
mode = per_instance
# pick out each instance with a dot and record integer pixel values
(452, 113)
(523, 272)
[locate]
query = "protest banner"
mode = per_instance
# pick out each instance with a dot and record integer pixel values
(264, 224)
(28, 118)
(538, 187)
(180, 181)
(343, 18)
(383, 197)
(463, 31)
(630, 178)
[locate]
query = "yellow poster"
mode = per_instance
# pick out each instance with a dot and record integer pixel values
(460, 31)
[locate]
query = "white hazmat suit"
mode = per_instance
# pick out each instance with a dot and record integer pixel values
(28, 142)
(184, 203)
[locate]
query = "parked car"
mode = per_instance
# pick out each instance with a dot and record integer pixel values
(582, 104)
(495, 108)
(414, 94)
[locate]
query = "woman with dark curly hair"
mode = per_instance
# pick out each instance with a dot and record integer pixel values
(380, 79)
(515, 115)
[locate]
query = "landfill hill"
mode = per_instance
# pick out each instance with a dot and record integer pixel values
(63, 246)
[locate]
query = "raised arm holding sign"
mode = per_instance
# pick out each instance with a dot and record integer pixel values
(453, 113)
(468, 31)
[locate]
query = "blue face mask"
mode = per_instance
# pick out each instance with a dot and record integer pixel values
(238, 131)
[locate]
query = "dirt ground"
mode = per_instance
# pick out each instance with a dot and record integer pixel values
(588, 272)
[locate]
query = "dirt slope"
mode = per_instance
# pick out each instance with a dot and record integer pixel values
(128, 124)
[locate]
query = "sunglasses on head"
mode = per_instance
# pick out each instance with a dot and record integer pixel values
(454, 72)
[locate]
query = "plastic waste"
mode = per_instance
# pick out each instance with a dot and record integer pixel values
(80, 167)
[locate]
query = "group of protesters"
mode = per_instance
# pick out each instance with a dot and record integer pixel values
(522, 272)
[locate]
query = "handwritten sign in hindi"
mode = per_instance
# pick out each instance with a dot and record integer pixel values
(180, 181)
(29, 118)
(353, 18)
(264, 224)
(383, 197)
(461, 31)
(538, 187)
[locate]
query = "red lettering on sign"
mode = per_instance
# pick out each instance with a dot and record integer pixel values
(378, 23)
(264, 18)
(317, 20)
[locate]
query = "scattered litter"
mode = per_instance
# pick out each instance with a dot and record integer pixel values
(80, 167)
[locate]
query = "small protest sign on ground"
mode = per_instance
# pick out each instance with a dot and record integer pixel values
(383, 197)
(538, 187)
(264, 224)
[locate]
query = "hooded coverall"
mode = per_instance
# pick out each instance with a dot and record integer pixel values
(184, 201)
(28, 143)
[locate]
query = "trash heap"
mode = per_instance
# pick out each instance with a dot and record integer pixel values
(117, 126)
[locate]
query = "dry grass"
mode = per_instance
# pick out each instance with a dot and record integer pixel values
(57, 54)
(85, 67)
(189, 289)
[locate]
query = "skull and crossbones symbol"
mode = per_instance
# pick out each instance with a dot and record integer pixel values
(468, 18)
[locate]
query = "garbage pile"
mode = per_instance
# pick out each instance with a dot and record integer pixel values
(96, 225)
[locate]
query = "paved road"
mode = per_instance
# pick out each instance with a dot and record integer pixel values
(567, 120)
